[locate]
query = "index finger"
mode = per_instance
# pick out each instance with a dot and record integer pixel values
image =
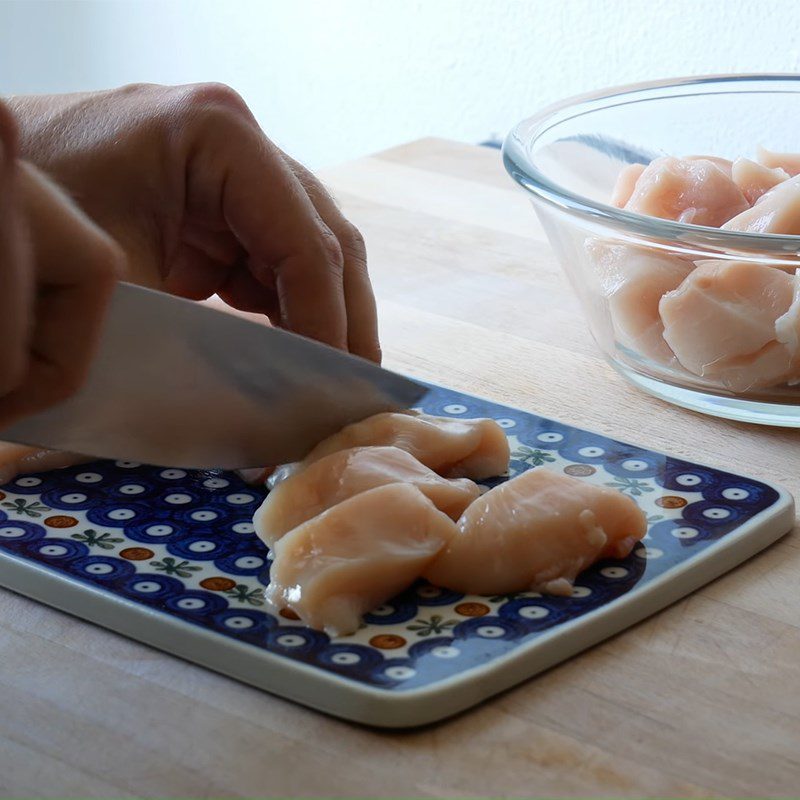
(267, 209)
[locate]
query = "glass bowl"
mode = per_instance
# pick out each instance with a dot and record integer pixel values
(619, 263)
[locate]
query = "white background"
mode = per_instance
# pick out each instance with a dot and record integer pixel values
(336, 79)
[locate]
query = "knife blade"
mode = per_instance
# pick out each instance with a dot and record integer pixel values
(175, 383)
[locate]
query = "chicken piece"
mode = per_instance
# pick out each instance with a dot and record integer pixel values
(626, 183)
(352, 558)
(536, 532)
(692, 191)
(455, 448)
(19, 459)
(725, 164)
(721, 323)
(755, 179)
(789, 162)
(787, 330)
(633, 280)
(777, 211)
(217, 303)
(346, 473)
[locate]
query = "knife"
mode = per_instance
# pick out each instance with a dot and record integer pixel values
(175, 383)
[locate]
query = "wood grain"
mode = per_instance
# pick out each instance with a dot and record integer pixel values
(700, 700)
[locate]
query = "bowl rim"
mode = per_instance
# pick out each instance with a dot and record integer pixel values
(536, 183)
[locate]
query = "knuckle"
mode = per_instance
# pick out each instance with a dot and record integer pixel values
(213, 98)
(353, 242)
(135, 89)
(332, 250)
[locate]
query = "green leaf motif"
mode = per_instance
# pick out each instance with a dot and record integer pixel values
(90, 537)
(169, 565)
(531, 457)
(244, 594)
(632, 486)
(32, 508)
(436, 624)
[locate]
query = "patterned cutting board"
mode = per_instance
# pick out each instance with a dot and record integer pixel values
(169, 557)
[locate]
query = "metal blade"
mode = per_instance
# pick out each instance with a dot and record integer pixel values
(175, 383)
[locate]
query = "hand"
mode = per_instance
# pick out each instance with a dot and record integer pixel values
(203, 203)
(57, 270)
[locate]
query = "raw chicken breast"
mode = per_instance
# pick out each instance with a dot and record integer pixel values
(725, 164)
(787, 330)
(633, 280)
(789, 162)
(346, 473)
(721, 323)
(693, 191)
(777, 211)
(455, 448)
(626, 183)
(537, 531)
(755, 179)
(350, 559)
(19, 459)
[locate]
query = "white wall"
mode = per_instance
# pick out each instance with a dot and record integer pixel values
(331, 80)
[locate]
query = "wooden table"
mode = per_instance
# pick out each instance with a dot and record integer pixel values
(701, 699)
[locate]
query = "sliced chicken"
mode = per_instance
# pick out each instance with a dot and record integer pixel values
(787, 329)
(777, 211)
(725, 164)
(755, 179)
(352, 558)
(721, 323)
(790, 162)
(692, 191)
(538, 532)
(626, 183)
(633, 280)
(455, 448)
(346, 473)
(19, 459)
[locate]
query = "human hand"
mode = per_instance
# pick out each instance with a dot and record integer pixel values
(203, 203)
(57, 270)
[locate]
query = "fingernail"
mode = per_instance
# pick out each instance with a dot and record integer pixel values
(252, 476)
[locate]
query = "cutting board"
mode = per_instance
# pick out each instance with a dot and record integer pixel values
(169, 557)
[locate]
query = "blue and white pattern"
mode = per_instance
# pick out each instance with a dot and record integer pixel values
(182, 542)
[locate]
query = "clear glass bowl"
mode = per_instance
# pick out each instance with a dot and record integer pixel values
(568, 157)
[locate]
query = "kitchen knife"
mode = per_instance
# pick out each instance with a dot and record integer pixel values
(175, 383)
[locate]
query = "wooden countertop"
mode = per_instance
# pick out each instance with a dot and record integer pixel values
(701, 699)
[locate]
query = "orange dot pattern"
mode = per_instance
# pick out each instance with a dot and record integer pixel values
(61, 521)
(136, 553)
(579, 470)
(472, 609)
(387, 641)
(217, 584)
(670, 501)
